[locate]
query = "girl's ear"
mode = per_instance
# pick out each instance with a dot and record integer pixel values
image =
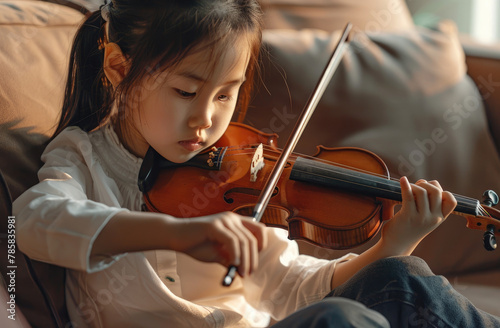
(115, 64)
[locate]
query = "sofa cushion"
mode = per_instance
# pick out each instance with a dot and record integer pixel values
(406, 97)
(35, 38)
(483, 63)
(332, 15)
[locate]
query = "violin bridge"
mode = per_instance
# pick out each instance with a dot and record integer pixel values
(257, 163)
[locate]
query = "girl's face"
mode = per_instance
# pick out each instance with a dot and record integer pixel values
(186, 109)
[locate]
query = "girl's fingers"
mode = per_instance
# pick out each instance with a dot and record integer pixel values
(241, 244)
(436, 184)
(414, 196)
(449, 203)
(248, 243)
(406, 192)
(429, 196)
(252, 253)
(258, 230)
(421, 199)
(433, 195)
(256, 233)
(230, 244)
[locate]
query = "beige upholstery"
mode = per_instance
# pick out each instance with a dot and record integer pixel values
(331, 15)
(391, 90)
(483, 61)
(35, 38)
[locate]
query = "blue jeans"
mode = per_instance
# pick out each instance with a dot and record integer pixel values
(401, 290)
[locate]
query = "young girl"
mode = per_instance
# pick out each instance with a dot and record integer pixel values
(169, 75)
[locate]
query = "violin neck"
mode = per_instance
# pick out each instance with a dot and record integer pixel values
(327, 175)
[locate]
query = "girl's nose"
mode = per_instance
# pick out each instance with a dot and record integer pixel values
(201, 118)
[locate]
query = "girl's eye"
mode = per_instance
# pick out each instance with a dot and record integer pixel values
(185, 94)
(224, 98)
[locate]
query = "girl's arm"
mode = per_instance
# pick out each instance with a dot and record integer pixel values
(226, 238)
(59, 221)
(425, 207)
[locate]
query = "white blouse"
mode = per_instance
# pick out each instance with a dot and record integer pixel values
(89, 177)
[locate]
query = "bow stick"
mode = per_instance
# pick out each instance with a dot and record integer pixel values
(301, 124)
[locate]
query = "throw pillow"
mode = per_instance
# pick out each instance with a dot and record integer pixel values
(404, 96)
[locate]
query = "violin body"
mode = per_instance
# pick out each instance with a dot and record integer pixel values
(336, 199)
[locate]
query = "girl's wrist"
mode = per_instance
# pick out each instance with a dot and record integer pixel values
(169, 230)
(390, 247)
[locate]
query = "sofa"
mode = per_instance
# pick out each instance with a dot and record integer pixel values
(425, 100)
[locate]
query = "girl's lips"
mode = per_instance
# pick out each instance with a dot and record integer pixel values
(192, 144)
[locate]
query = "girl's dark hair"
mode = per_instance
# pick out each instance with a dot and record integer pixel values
(153, 35)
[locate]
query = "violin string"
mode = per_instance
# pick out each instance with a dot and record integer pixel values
(347, 174)
(474, 206)
(484, 212)
(354, 169)
(465, 200)
(325, 161)
(313, 158)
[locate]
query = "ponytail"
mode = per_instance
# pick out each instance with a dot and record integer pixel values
(88, 95)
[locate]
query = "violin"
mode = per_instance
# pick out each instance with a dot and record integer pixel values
(336, 199)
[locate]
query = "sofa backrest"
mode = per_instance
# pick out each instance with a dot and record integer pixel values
(332, 15)
(400, 92)
(35, 39)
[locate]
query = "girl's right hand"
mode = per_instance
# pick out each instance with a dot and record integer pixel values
(226, 238)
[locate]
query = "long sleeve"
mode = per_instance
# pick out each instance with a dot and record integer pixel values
(289, 281)
(57, 221)
(88, 178)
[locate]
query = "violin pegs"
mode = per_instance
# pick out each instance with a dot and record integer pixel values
(490, 198)
(489, 240)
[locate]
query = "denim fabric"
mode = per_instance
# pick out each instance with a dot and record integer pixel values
(406, 292)
(335, 312)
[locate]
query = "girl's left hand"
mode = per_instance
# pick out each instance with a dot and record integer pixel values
(425, 207)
